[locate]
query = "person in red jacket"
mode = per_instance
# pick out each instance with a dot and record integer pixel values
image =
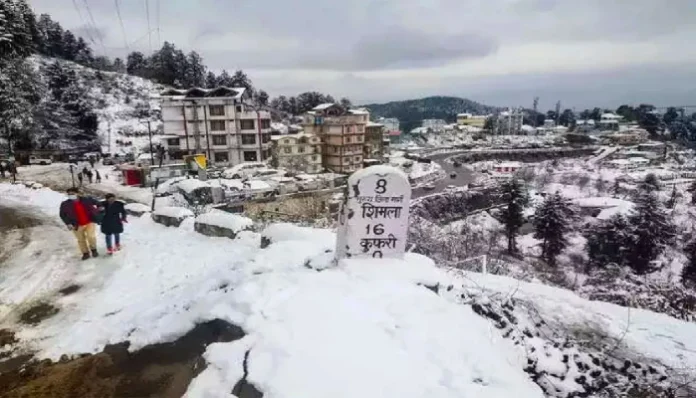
(79, 213)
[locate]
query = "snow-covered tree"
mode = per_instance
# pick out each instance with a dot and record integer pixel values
(689, 271)
(607, 241)
(240, 79)
(552, 221)
(515, 199)
(650, 183)
(211, 81)
(345, 102)
(567, 118)
(224, 79)
(262, 98)
(119, 66)
(651, 230)
(195, 73)
(136, 64)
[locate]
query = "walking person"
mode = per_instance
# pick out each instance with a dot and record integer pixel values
(87, 174)
(80, 213)
(114, 216)
(80, 177)
(97, 176)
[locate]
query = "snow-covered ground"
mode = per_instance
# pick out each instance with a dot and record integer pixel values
(367, 328)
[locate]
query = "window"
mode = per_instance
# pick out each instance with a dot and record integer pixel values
(314, 157)
(216, 110)
(247, 124)
(250, 156)
(222, 157)
(173, 141)
(217, 125)
(219, 140)
(347, 140)
(248, 139)
(265, 123)
(238, 108)
(287, 150)
(359, 138)
(265, 138)
(264, 155)
(300, 149)
(348, 129)
(358, 158)
(361, 129)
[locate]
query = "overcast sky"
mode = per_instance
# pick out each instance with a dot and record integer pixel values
(502, 52)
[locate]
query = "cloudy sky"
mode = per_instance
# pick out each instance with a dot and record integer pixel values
(502, 52)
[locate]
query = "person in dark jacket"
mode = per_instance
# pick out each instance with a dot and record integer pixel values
(114, 215)
(80, 213)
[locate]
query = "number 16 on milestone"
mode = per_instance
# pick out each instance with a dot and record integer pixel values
(373, 219)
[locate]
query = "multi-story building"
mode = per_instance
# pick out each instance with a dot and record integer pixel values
(467, 119)
(297, 152)
(342, 133)
(509, 122)
(215, 122)
(376, 147)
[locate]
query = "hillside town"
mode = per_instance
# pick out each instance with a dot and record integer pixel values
(169, 229)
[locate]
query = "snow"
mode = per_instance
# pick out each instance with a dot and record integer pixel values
(361, 328)
(608, 213)
(602, 202)
(173, 212)
(137, 207)
(258, 185)
(223, 219)
(191, 185)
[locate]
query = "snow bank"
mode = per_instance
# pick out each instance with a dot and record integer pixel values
(174, 212)
(600, 202)
(355, 332)
(137, 208)
(223, 219)
(290, 232)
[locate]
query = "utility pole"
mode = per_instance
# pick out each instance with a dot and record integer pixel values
(149, 135)
(72, 174)
(536, 104)
(558, 111)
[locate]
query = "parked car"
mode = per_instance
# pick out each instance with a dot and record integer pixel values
(41, 160)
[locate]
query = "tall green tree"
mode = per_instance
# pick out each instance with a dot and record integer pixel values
(651, 230)
(552, 221)
(515, 198)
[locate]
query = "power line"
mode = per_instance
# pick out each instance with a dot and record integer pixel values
(94, 26)
(82, 19)
(149, 30)
(159, 38)
(123, 28)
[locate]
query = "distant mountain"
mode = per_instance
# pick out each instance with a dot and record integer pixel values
(411, 112)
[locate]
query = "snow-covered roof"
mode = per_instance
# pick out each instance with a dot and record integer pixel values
(197, 92)
(373, 124)
(323, 106)
(612, 211)
(601, 202)
(526, 127)
(359, 111)
(620, 162)
(610, 116)
(638, 160)
(509, 164)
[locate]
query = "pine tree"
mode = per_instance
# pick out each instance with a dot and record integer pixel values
(240, 79)
(672, 198)
(262, 98)
(515, 198)
(70, 48)
(650, 183)
(689, 270)
(211, 81)
(224, 79)
(83, 54)
(20, 93)
(119, 66)
(196, 73)
(607, 242)
(552, 221)
(15, 37)
(651, 231)
(136, 64)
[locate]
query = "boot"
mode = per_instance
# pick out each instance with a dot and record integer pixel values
(94, 253)
(85, 256)
(118, 248)
(110, 251)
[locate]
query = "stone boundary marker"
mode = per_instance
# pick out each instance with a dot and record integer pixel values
(373, 219)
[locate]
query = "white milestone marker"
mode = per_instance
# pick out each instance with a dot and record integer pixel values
(373, 220)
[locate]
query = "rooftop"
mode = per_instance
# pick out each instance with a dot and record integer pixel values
(197, 92)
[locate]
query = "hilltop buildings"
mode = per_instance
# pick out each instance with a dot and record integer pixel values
(215, 122)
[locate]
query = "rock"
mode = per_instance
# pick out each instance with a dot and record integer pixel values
(171, 216)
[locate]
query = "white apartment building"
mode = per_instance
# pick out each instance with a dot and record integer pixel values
(509, 122)
(217, 123)
(297, 152)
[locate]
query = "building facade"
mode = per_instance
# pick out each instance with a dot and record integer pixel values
(467, 119)
(509, 122)
(342, 134)
(297, 152)
(217, 123)
(376, 142)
